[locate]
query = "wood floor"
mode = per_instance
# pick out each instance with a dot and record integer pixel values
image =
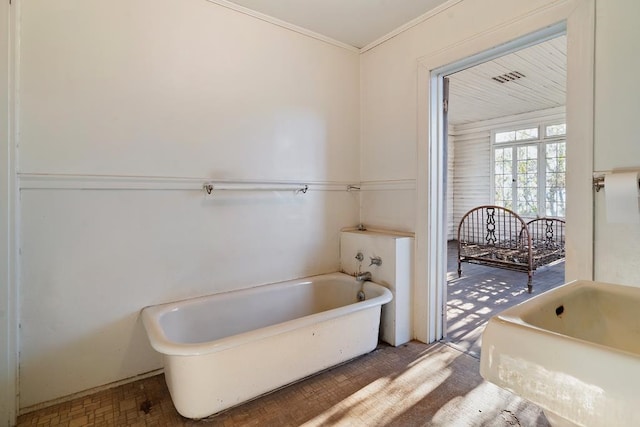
(483, 292)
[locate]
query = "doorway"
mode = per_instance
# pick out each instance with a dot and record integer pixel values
(506, 146)
(431, 236)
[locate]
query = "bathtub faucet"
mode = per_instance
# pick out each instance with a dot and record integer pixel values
(363, 277)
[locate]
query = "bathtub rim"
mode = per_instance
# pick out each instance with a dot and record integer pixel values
(161, 343)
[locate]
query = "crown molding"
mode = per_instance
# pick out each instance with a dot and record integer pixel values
(283, 24)
(420, 19)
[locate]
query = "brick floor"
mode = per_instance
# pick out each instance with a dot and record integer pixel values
(412, 385)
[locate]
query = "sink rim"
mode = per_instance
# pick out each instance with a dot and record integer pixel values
(517, 314)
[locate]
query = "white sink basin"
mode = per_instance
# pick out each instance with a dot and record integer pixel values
(574, 351)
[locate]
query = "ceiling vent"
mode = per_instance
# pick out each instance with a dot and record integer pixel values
(508, 77)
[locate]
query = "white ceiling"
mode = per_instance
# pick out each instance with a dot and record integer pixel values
(354, 22)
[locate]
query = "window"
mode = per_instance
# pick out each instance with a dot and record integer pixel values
(555, 194)
(517, 135)
(529, 171)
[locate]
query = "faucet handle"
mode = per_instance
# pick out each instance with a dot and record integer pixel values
(375, 260)
(360, 257)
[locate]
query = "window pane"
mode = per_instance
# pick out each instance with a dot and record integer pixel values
(527, 180)
(518, 173)
(526, 152)
(552, 150)
(555, 130)
(503, 179)
(508, 154)
(508, 167)
(506, 136)
(555, 169)
(524, 134)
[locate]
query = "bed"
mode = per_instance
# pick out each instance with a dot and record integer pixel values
(498, 237)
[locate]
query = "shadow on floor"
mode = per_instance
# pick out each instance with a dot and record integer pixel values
(483, 292)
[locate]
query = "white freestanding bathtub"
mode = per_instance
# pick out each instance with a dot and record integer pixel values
(224, 349)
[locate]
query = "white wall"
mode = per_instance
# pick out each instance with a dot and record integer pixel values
(389, 84)
(162, 88)
(394, 90)
(617, 137)
(471, 179)
(181, 89)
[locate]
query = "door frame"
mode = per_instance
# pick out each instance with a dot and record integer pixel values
(8, 214)
(577, 18)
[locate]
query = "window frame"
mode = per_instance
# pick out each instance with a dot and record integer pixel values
(541, 143)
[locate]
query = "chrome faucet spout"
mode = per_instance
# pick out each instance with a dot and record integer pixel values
(363, 277)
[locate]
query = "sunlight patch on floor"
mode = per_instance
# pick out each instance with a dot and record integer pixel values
(490, 290)
(461, 327)
(391, 393)
(490, 403)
